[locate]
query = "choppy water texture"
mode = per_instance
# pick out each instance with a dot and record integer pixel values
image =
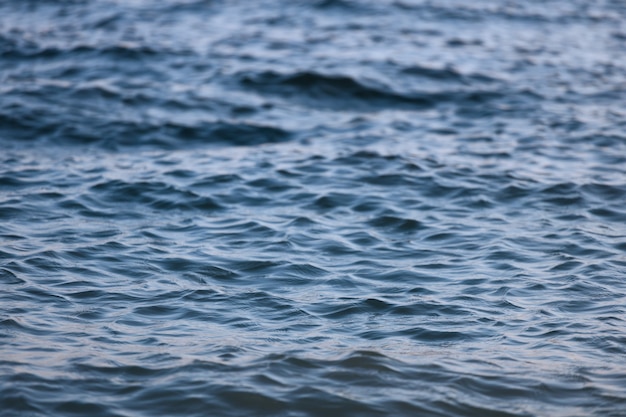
(312, 208)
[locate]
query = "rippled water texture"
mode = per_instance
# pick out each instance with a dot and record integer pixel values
(312, 208)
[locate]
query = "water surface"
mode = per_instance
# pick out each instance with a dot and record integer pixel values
(312, 208)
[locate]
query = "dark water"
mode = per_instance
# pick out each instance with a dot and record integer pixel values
(312, 208)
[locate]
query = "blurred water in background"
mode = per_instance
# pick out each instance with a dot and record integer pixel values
(312, 208)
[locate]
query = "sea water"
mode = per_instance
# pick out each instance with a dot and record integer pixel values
(312, 208)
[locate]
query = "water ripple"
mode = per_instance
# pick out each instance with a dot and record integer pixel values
(312, 208)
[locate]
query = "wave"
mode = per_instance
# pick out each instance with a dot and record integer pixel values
(41, 125)
(296, 384)
(530, 12)
(342, 91)
(12, 49)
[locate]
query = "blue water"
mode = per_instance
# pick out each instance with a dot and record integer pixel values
(312, 208)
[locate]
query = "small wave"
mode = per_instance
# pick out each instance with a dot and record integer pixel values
(122, 51)
(314, 89)
(328, 88)
(42, 126)
(528, 12)
(157, 195)
(448, 74)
